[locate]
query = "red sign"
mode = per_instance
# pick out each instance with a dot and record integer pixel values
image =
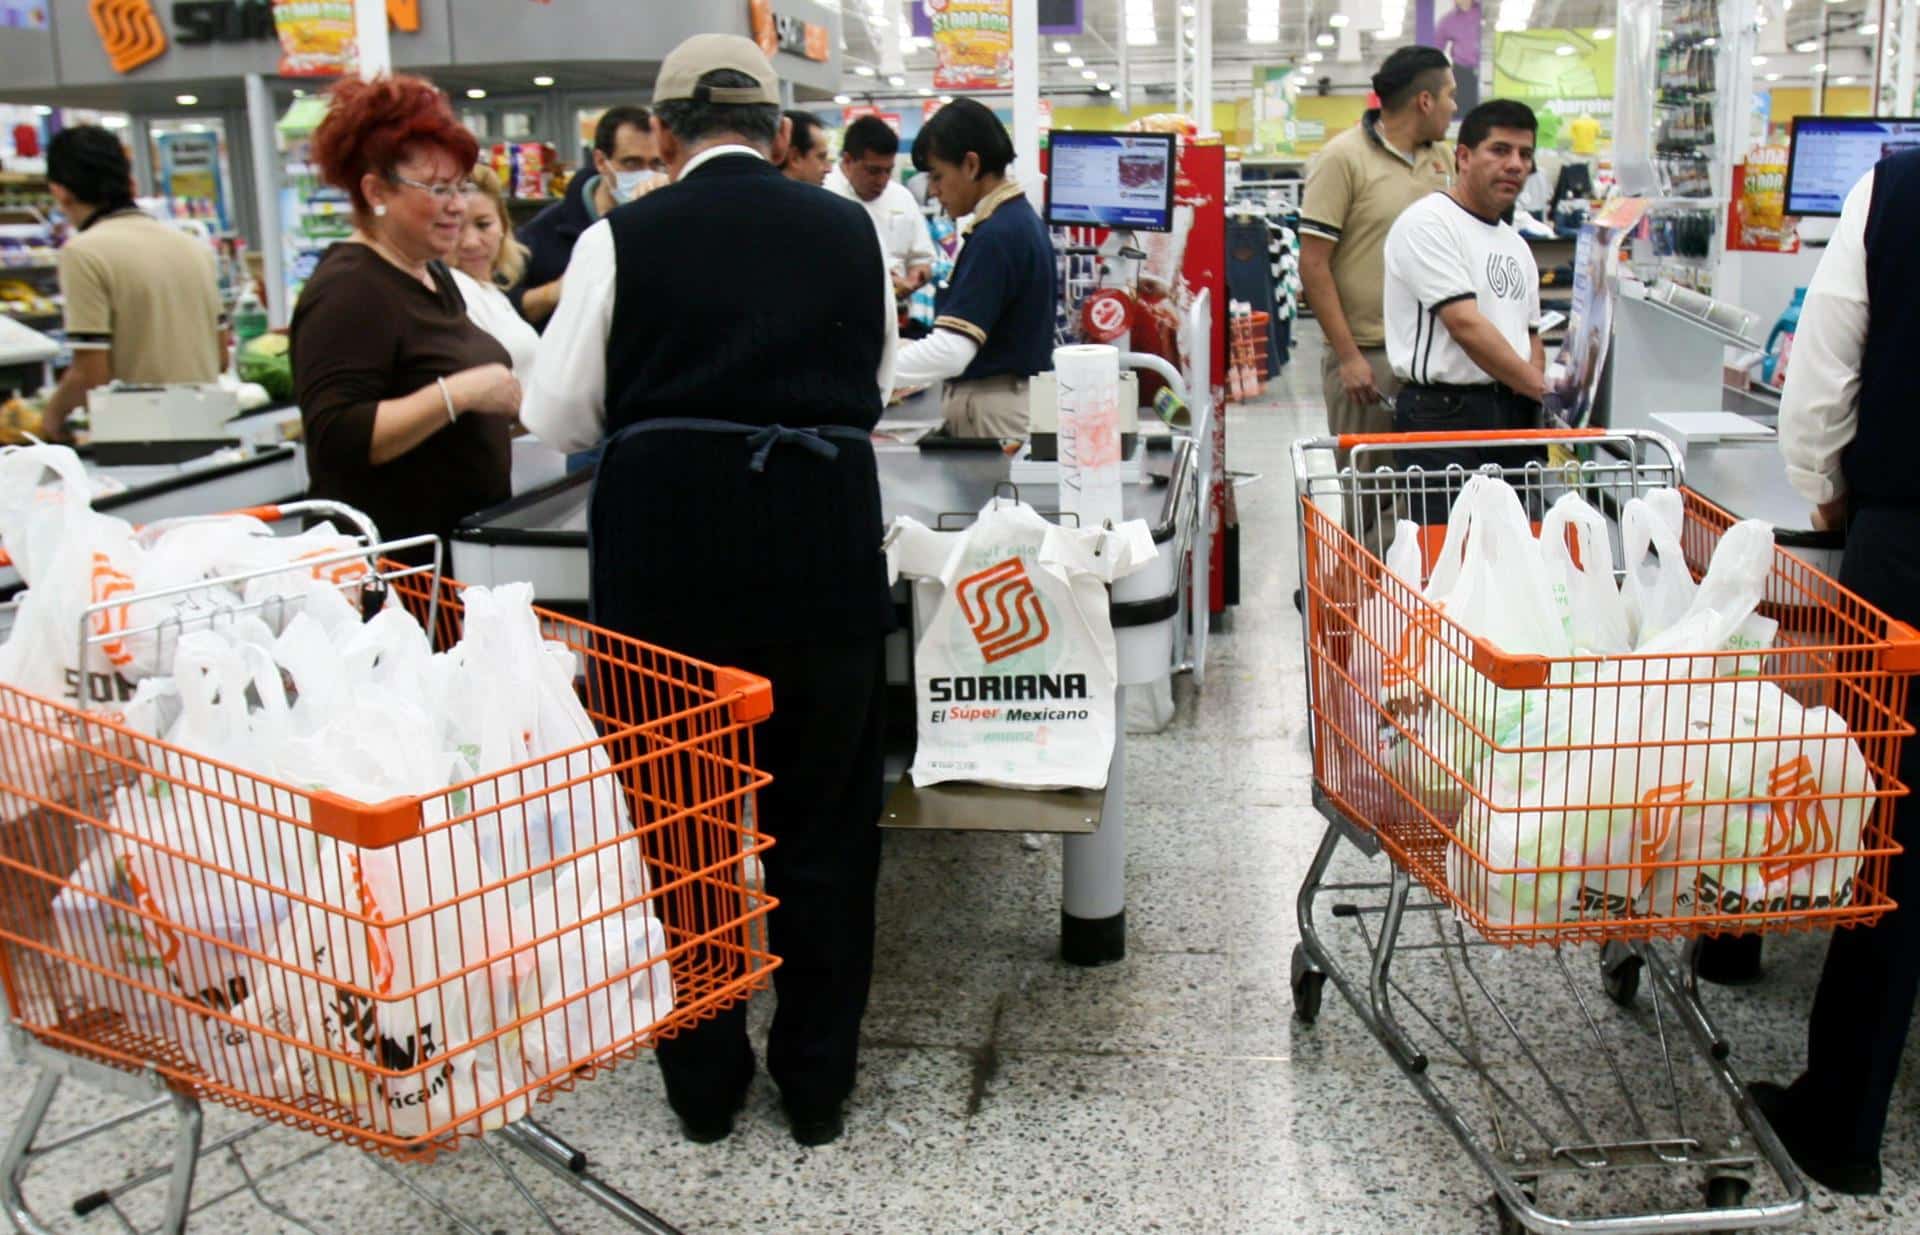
(850, 114)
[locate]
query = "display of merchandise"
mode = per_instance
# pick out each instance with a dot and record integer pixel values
(527, 169)
(30, 237)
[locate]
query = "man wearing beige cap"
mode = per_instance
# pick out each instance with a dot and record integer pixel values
(729, 337)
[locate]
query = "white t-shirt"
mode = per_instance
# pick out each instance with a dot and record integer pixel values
(490, 310)
(1439, 252)
(898, 220)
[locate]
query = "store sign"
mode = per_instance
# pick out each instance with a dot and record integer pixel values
(130, 31)
(889, 118)
(1056, 17)
(198, 23)
(777, 32)
(972, 44)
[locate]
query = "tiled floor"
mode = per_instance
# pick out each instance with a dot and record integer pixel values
(1004, 1092)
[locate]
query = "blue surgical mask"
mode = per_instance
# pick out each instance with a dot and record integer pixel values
(627, 185)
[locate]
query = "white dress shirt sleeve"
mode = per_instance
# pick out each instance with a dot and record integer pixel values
(1819, 408)
(923, 252)
(566, 402)
(942, 355)
(889, 353)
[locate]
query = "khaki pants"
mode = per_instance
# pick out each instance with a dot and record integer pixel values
(1344, 416)
(987, 407)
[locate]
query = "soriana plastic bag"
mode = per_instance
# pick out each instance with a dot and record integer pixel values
(1584, 591)
(1015, 672)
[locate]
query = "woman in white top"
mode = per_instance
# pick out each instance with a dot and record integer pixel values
(488, 261)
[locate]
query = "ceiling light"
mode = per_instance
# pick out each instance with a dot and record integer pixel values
(1565, 49)
(863, 70)
(43, 110)
(925, 93)
(1089, 74)
(1338, 21)
(1263, 34)
(1845, 81)
(186, 100)
(1602, 33)
(1103, 87)
(896, 80)
(543, 81)
(1138, 36)
(1325, 40)
(1758, 61)
(1773, 77)
(476, 93)
(1187, 10)
(1805, 45)
(945, 99)
(1075, 62)
(1061, 47)
(1869, 28)
(113, 122)
(1314, 57)
(1819, 68)
(843, 99)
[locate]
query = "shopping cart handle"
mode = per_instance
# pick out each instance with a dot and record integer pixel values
(1349, 440)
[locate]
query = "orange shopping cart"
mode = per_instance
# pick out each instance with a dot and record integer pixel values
(1617, 807)
(404, 976)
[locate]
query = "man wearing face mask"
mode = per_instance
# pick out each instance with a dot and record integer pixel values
(627, 166)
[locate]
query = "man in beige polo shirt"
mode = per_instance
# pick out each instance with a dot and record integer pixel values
(142, 299)
(1356, 189)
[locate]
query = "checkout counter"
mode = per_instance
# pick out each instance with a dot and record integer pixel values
(541, 537)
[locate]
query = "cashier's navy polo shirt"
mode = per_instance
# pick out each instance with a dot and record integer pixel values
(1001, 294)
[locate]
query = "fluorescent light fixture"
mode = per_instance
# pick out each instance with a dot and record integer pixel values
(843, 99)
(1869, 28)
(1187, 10)
(43, 110)
(1819, 68)
(1075, 62)
(1758, 61)
(1089, 74)
(863, 70)
(1324, 40)
(1061, 47)
(945, 99)
(1602, 33)
(186, 100)
(1106, 86)
(896, 80)
(1806, 45)
(543, 81)
(1773, 77)
(925, 93)
(1314, 57)
(1845, 81)
(113, 122)
(1338, 21)
(476, 93)
(1565, 49)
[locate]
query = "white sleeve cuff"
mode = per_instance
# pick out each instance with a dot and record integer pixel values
(941, 355)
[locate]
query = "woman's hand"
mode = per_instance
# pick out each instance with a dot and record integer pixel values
(489, 388)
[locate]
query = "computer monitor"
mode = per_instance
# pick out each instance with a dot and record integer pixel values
(1115, 180)
(1831, 153)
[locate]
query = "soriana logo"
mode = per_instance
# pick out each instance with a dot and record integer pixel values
(130, 31)
(1799, 832)
(1003, 610)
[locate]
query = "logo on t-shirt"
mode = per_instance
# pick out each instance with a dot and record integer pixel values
(1504, 279)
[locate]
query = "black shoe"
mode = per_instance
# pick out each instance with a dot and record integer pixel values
(1850, 1177)
(706, 1128)
(815, 1126)
(1729, 960)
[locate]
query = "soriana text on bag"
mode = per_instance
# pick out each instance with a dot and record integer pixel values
(1015, 670)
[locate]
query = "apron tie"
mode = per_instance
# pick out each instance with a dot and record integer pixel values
(762, 441)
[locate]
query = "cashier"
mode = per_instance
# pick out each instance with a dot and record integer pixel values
(1849, 436)
(142, 301)
(735, 517)
(993, 328)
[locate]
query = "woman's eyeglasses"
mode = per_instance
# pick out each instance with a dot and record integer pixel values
(440, 192)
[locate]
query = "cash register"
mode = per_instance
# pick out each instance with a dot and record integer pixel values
(130, 423)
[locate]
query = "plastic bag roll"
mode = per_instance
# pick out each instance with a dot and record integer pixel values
(1089, 380)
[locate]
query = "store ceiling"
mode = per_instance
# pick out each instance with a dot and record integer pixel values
(1301, 21)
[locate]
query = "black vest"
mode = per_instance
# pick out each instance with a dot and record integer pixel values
(1879, 463)
(745, 297)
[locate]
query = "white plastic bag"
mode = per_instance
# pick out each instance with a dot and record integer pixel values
(1585, 593)
(1722, 612)
(1017, 667)
(1656, 593)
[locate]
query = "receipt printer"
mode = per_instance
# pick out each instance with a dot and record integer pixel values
(123, 413)
(1043, 401)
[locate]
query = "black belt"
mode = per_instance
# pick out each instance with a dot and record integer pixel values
(1477, 389)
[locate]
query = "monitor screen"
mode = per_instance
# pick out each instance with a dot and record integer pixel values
(1118, 180)
(1831, 153)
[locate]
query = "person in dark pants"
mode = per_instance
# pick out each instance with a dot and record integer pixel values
(1847, 431)
(1463, 304)
(736, 517)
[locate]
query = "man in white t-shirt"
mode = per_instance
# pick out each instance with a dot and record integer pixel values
(1463, 301)
(868, 150)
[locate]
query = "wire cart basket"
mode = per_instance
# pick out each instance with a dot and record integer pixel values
(1529, 802)
(345, 1034)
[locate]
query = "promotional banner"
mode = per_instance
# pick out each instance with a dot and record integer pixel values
(850, 114)
(1528, 65)
(1273, 131)
(1759, 222)
(972, 44)
(1056, 17)
(316, 37)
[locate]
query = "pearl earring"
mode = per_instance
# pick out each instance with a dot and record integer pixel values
(380, 211)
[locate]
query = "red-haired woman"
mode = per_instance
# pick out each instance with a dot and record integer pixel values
(407, 404)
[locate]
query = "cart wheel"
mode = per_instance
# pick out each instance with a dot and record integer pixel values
(1621, 977)
(1308, 985)
(1727, 1191)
